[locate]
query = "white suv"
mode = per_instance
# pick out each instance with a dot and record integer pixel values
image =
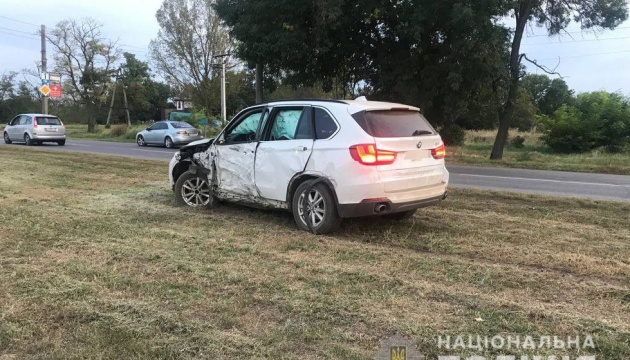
(347, 158)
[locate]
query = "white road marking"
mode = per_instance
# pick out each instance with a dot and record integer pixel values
(157, 151)
(542, 180)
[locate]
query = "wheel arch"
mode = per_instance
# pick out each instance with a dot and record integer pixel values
(299, 179)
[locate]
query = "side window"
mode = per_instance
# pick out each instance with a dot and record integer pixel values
(163, 126)
(245, 130)
(154, 126)
(290, 124)
(15, 121)
(22, 120)
(29, 120)
(325, 125)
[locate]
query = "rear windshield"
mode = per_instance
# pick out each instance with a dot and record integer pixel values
(48, 121)
(394, 123)
(181, 125)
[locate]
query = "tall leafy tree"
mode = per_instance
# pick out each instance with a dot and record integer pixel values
(85, 58)
(547, 94)
(190, 36)
(555, 16)
(448, 57)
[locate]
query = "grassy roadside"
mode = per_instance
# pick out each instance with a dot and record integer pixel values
(534, 155)
(97, 262)
(79, 131)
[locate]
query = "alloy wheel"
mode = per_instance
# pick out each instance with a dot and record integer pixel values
(315, 208)
(196, 192)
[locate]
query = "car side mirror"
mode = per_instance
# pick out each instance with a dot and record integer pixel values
(148, 129)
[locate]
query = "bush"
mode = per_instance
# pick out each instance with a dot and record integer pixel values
(118, 130)
(453, 135)
(518, 142)
(596, 120)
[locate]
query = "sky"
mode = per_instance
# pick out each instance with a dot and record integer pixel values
(587, 61)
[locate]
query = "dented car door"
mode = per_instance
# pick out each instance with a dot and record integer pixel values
(284, 150)
(235, 154)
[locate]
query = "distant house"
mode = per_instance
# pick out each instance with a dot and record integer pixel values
(182, 105)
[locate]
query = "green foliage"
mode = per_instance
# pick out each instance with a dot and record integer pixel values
(518, 142)
(452, 135)
(598, 119)
(548, 95)
(524, 112)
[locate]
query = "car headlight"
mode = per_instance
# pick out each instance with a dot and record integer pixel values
(178, 156)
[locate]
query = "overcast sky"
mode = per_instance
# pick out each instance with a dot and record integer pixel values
(587, 61)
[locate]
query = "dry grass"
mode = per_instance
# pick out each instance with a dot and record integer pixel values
(119, 133)
(97, 262)
(534, 155)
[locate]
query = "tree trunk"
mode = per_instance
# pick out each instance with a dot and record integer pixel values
(522, 17)
(259, 85)
(91, 118)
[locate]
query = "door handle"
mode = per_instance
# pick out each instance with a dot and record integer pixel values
(235, 148)
(301, 148)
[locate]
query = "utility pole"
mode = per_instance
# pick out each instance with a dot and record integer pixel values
(224, 58)
(44, 69)
(111, 106)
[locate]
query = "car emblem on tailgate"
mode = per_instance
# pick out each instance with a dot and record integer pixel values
(419, 145)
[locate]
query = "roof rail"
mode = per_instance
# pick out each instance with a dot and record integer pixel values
(321, 100)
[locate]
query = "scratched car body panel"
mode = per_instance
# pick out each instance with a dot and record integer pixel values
(323, 160)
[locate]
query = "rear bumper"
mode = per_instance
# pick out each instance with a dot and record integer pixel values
(56, 137)
(183, 140)
(385, 206)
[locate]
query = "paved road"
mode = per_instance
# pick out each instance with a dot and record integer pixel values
(596, 186)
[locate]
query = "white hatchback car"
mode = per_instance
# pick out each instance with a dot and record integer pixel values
(346, 158)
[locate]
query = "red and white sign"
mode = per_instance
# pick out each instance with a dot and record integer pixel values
(55, 91)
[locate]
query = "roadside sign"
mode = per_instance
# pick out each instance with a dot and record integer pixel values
(54, 77)
(45, 90)
(203, 122)
(55, 91)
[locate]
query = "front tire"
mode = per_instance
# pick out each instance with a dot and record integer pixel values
(27, 140)
(140, 141)
(168, 143)
(321, 209)
(193, 190)
(7, 139)
(61, 142)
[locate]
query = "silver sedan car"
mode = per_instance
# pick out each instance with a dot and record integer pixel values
(168, 134)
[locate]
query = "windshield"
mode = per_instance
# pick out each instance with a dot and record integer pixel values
(394, 123)
(181, 125)
(48, 121)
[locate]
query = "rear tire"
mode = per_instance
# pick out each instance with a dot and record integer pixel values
(399, 216)
(322, 210)
(61, 142)
(168, 143)
(27, 140)
(7, 140)
(193, 190)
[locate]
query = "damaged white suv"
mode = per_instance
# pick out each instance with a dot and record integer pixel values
(345, 158)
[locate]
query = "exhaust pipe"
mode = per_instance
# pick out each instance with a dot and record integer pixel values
(379, 208)
(445, 196)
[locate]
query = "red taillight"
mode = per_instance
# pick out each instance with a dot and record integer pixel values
(368, 154)
(35, 122)
(439, 153)
(181, 133)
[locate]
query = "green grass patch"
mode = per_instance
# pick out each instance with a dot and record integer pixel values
(97, 261)
(534, 155)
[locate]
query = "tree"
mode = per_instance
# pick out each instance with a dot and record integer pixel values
(190, 37)
(547, 94)
(555, 15)
(86, 59)
(379, 48)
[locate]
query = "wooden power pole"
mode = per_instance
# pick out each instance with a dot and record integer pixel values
(111, 106)
(44, 69)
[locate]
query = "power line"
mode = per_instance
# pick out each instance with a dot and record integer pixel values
(18, 31)
(586, 55)
(22, 36)
(578, 41)
(20, 21)
(573, 32)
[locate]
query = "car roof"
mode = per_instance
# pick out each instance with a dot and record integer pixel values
(33, 114)
(354, 106)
